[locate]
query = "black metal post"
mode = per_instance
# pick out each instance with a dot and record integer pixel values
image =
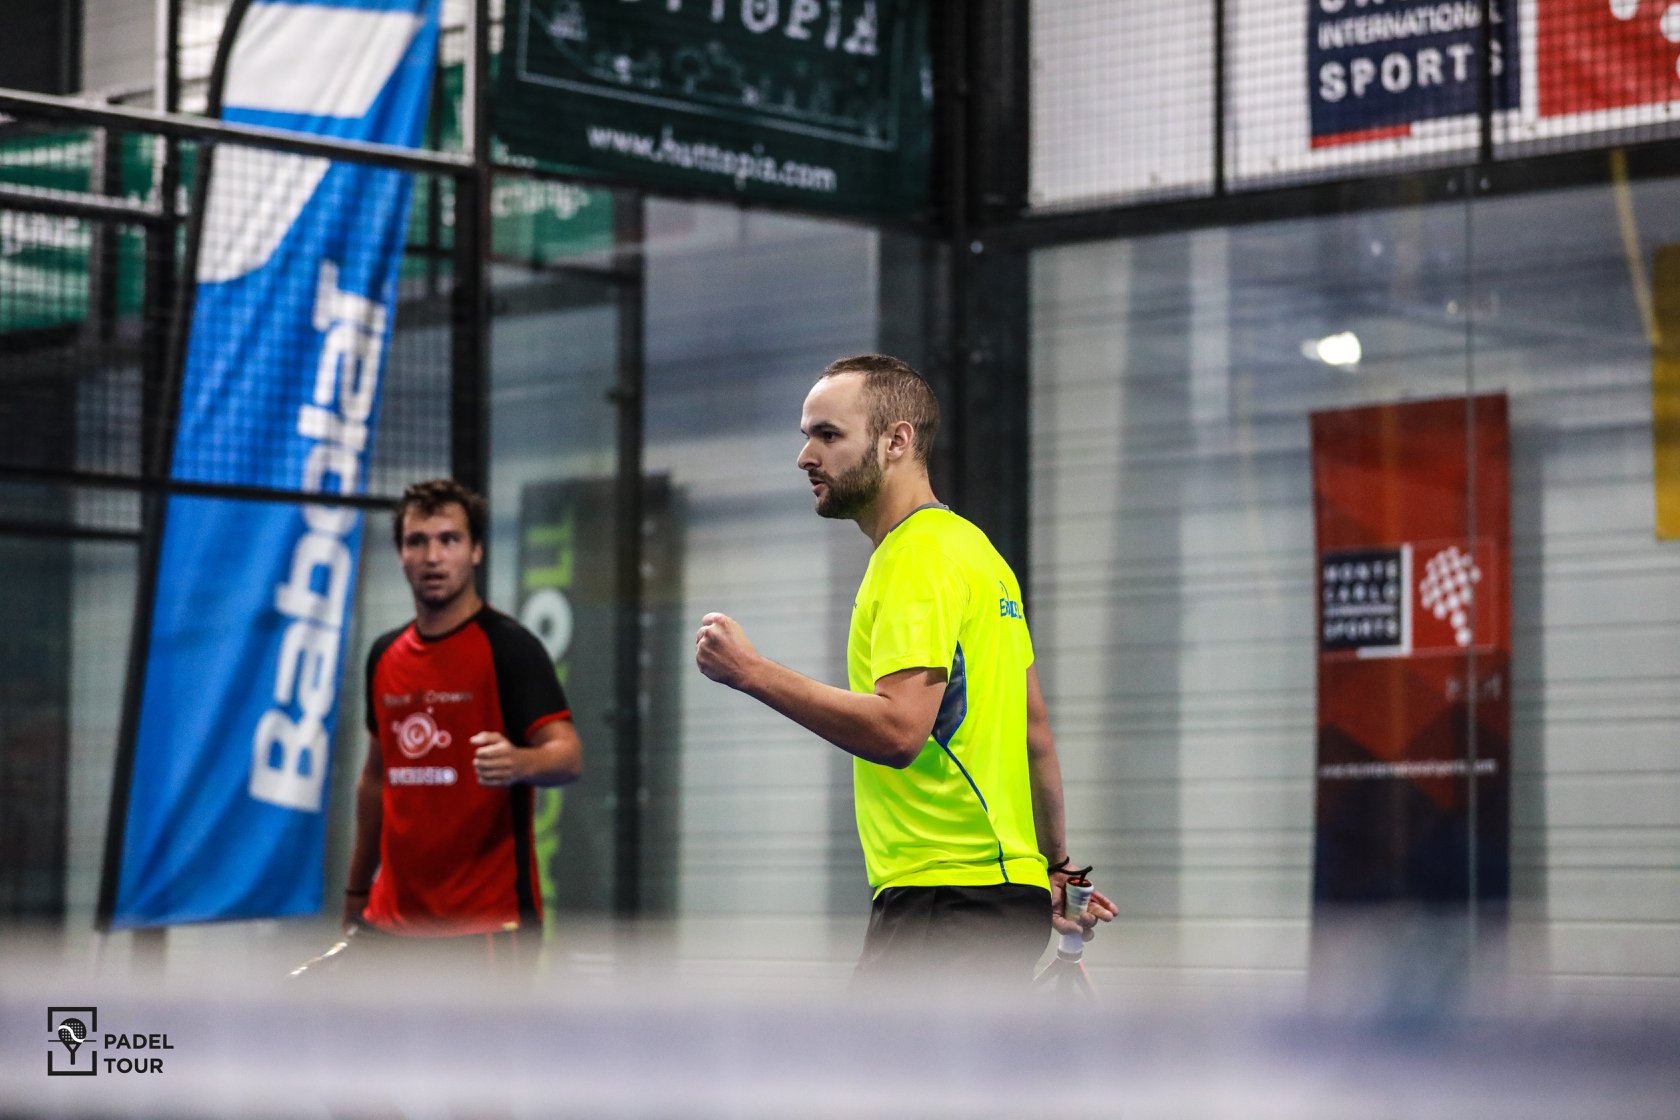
(988, 385)
(469, 448)
(1485, 100)
(105, 179)
(165, 320)
(629, 228)
(1219, 95)
(945, 368)
(433, 185)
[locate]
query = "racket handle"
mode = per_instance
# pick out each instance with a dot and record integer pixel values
(1078, 893)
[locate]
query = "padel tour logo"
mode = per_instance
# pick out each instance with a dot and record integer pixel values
(72, 1031)
(76, 1048)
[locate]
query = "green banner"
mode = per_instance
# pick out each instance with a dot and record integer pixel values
(532, 221)
(817, 103)
(44, 258)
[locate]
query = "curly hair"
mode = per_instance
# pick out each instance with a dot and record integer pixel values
(429, 497)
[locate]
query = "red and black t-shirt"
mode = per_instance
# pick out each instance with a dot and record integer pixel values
(455, 857)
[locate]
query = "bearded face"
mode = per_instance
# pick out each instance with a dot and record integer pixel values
(852, 491)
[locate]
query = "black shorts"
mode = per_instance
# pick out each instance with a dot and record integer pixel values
(962, 936)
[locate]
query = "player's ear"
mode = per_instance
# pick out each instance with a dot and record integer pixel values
(901, 437)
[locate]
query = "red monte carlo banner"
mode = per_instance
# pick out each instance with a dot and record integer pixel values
(1412, 519)
(1595, 55)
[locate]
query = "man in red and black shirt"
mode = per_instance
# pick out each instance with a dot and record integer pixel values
(466, 716)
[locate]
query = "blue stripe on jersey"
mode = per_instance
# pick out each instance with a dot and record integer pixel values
(953, 708)
(961, 769)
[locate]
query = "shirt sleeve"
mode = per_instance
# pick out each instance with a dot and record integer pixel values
(368, 716)
(530, 692)
(922, 600)
(370, 710)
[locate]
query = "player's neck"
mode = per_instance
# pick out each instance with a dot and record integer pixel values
(433, 622)
(894, 504)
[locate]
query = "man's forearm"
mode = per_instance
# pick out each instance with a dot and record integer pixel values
(558, 762)
(1044, 771)
(1049, 820)
(364, 852)
(864, 724)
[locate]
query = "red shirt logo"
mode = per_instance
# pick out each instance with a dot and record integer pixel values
(417, 733)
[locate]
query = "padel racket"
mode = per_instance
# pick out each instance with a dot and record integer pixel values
(1066, 973)
(326, 961)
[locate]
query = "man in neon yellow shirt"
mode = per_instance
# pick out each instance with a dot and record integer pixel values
(955, 776)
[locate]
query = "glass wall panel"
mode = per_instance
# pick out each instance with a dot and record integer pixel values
(1175, 378)
(34, 730)
(1173, 537)
(102, 619)
(554, 526)
(1570, 321)
(744, 310)
(59, 719)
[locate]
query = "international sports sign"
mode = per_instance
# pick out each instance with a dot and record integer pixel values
(297, 273)
(1332, 88)
(1379, 70)
(1411, 507)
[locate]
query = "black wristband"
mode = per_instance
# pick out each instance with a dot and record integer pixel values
(1058, 867)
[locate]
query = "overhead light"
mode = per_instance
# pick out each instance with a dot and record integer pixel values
(1334, 350)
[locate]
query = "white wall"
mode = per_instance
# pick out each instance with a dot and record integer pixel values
(119, 44)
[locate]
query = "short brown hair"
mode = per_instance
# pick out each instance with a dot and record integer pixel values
(896, 392)
(429, 497)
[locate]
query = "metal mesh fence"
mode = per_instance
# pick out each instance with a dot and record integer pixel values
(92, 276)
(201, 23)
(1592, 73)
(74, 320)
(256, 198)
(1138, 102)
(121, 234)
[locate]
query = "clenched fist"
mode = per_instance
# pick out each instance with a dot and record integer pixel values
(496, 761)
(722, 651)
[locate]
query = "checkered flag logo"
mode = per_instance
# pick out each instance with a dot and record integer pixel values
(1447, 589)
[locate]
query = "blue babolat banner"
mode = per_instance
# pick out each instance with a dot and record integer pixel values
(297, 279)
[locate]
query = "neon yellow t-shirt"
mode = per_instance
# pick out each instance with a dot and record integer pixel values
(938, 595)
